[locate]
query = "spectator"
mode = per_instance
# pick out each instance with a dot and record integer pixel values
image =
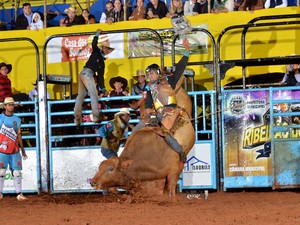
(249, 5)
(86, 81)
(292, 75)
(113, 132)
(175, 9)
(5, 84)
(140, 86)
(119, 85)
(88, 18)
(140, 12)
(118, 12)
(223, 6)
(156, 9)
(23, 20)
(276, 4)
(36, 23)
(72, 18)
(11, 142)
(34, 92)
(107, 15)
(193, 8)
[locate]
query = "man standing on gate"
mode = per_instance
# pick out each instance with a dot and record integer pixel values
(10, 144)
(94, 67)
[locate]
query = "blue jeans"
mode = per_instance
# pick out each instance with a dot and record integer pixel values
(108, 153)
(86, 85)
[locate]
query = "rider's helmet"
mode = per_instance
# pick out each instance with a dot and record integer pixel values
(153, 67)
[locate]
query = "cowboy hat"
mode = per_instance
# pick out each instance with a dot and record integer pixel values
(122, 111)
(70, 9)
(8, 100)
(139, 73)
(118, 79)
(105, 44)
(8, 66)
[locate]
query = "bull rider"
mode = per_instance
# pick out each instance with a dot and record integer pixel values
(160, 100)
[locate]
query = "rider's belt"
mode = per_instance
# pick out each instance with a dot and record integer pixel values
(171, 101)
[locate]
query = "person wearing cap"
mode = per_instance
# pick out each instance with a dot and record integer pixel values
(5, 83)
(140, 86)
(113, 132)
(72, 18)
(160, 99)
(10, 144)
(94, 67)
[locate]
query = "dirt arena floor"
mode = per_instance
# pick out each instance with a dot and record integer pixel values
(255, 208)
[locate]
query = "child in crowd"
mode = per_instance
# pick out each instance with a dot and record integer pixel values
(119, 85)
(36, 23)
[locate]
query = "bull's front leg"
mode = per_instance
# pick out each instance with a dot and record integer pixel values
(172, 184)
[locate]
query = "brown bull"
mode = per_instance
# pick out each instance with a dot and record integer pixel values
(146, 160)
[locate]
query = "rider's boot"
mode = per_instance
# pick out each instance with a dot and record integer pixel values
(173, 143)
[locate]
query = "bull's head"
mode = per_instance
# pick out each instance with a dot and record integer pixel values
(111, 173)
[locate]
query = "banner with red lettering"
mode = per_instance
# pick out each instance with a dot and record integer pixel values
(78, 48)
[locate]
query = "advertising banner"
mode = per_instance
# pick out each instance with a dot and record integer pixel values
(246, 133)
(78, 48)
(198, 167)
(247, 137)
(146, 44)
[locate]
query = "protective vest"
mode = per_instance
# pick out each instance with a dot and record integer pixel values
(162, 94)
(112, 140)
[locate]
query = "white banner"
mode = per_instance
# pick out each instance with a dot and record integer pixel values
(198, 169)
(77, 48)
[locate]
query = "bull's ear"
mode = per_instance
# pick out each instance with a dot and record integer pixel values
(126, 164)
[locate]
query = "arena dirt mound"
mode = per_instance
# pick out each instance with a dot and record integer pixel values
(137, 198)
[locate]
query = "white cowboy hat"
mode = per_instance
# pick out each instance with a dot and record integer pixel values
(139, 73)
(123, 111)
(8, 100)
